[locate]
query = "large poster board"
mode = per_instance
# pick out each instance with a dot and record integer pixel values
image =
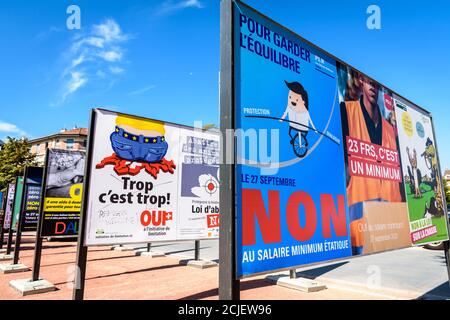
(284, 218)
(150, 181)
(9, 205)
(63, 192)
(375, 192)
(2, 210)
(32, 190)
(17, 203)
(320, 171)
(425, 197)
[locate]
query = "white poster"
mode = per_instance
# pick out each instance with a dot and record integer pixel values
(151, 181)
(9, 205)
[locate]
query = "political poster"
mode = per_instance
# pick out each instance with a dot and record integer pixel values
(32, 190)
(290, 183)
(63, 192)
(9, 205)
(17, 203)
(198, 198)
(375, 190)
(2, 210)
(150, 181)
(423, 184)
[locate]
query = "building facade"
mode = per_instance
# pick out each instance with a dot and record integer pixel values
(75, 139)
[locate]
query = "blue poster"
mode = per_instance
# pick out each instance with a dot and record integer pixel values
(290, 178)
(2, 211)
(1, 200)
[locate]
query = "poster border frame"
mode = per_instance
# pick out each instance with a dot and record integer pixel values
(89, 160)
(44, 184)
(234, 66)
(419, 110)
(12, 207)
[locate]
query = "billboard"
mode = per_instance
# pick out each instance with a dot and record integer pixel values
(17, 203)
(63, 191)
(321, 163)
(150, 181)
(9, 205)
(375, 191)
(423, 184)
(32, 190)
(2, 210)
(290, 209)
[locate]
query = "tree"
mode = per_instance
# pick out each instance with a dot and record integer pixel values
(447, 190)
(210, 126)
(15, 155)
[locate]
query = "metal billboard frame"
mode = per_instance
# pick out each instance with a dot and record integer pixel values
(82, 249)
(229, 283)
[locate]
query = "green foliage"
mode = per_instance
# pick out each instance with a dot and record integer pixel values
(209, 126)
(15, 155)
(447, 190)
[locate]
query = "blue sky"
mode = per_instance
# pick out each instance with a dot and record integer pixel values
(160, 58)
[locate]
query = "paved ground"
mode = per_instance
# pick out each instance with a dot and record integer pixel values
(122, 275)
(406, 274)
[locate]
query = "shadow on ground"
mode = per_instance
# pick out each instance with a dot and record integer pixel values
(317, 272)
(441, 292)
(129, 272)
(245, 285)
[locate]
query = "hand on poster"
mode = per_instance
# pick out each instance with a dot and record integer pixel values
(67, 175)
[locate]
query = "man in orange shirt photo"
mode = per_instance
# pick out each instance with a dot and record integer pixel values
(362, 120)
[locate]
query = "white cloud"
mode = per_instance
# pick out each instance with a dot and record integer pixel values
(76, 81)
(171, 6)
(92, 41)
(192, 4)
(111, 56)
(116, 70)
(96, 42)
(45, 34)
(77, 61)
(143, 90)
(12, 129)
(93, 55)
(110, 31)
(100, 74)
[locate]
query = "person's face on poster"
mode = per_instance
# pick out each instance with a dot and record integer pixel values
(353, 86)
(393, 120)
(369, 89)
(296, 102)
